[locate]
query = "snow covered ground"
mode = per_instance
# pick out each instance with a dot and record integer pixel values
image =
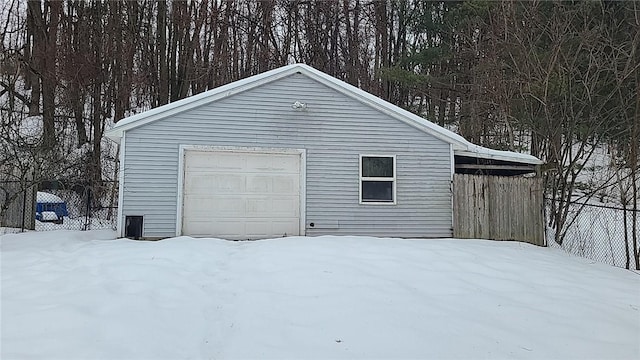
(82, 295)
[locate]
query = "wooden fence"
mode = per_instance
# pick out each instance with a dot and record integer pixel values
(498, 208)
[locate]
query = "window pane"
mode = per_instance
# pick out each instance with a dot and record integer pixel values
(377, 191)
(377, 166)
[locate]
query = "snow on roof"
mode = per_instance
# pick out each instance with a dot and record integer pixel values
(486, 153)
(45, 197)
(460, 145)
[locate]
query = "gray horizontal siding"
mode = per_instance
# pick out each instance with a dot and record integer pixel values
(334, 130)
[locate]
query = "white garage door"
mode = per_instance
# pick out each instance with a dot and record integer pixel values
(241, 195)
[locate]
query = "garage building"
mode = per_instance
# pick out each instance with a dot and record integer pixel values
(292, 151)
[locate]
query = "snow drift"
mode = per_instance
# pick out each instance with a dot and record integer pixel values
(77, 295)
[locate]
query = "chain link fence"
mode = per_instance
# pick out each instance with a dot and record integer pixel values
(598, 232)
(59, 204)
(16, 198)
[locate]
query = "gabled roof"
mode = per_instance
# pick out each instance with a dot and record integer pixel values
(460, 145)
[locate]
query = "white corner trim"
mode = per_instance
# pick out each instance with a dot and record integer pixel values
(452, 163)
(120, 220)
(182, 150)
(180, 190)
(303, 192)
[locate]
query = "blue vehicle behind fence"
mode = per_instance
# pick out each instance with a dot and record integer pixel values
(50, 208)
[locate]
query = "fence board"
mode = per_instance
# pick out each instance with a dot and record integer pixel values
(498, 208)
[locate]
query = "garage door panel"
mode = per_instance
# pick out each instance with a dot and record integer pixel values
(232, 183)
(227, 162)
(198, 184)
(198, 161)
(289, 228)
(255, 228)
(241, 195)
(230, 228)
(259, 184)
(198, 228)
(258, 163)
(286, 207)
(285, 163)
(258, 207)
(200, 204)
(231, 205)
(285, 184)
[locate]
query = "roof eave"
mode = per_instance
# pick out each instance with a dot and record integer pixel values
(500, 155)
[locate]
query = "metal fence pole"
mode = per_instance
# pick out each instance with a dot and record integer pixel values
(88, 212)
(24, 209)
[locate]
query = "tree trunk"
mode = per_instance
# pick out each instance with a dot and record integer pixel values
(163, 85)
(49, 76)
(35, 26)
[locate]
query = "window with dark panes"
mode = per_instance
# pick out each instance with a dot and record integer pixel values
(377, 178)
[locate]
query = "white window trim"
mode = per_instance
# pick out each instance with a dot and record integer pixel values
(393, 179)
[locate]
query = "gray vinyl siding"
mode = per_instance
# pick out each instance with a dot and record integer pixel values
(334, 130)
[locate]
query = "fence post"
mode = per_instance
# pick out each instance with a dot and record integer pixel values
(87, 213)
(24, 208)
